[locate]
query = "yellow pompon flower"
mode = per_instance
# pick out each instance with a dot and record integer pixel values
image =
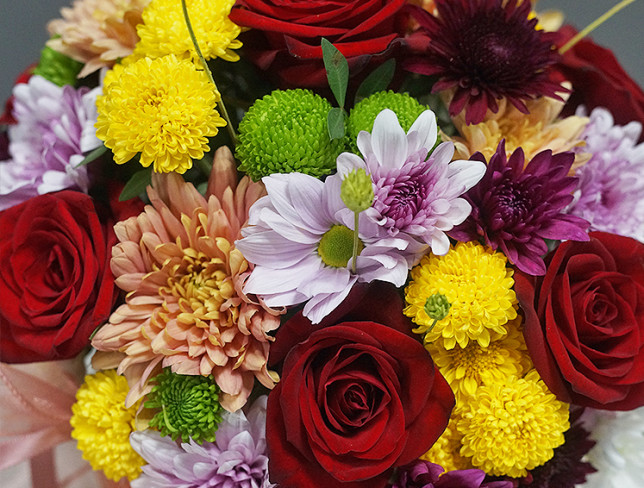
(102, 425)
(477, 284)
(164, 30)
(446, 450)
(513, 425)
(164, 109)
(465, 369)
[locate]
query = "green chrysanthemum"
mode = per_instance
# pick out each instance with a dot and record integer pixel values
(364, 114)
(188, 406)
(57, 68)
(286, 131)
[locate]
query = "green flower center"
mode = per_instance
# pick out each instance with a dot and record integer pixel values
(336, 246)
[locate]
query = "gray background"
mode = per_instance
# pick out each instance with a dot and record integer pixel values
(23, 32)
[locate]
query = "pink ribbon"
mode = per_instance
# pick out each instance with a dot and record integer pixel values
(35, 408)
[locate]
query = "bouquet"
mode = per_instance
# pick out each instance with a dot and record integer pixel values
(384, 244)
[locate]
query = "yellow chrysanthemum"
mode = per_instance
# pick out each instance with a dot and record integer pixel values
(164, 30)
(163, 109)
(477, 284)
(512, 425)
(467, 368)
(446, 450)
(102, 425)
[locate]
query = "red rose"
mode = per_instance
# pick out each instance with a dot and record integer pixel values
(357, 397)
(55, 282)
(287, 36)
(598, 80)
(584, 321)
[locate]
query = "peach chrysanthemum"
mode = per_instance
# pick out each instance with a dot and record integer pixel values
(164, 30)
(185, 308)
(97, 32)
(534, 132)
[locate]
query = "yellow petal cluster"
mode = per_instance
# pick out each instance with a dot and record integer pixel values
(512, 425)
(164, 30)
(164, 109)
(465, 369)
(102, 426)
(477, 284)
(446, 450)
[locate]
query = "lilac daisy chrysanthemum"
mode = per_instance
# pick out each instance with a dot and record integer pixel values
(485, 50)
(55, 127)
(610, 194)
(515, 208)
(416, 197)
(237, 457)
(300, 239)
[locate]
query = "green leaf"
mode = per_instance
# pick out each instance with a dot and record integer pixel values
(335, 123)
(378, 80)
(137, 184)
(337, 71)
(93, 156)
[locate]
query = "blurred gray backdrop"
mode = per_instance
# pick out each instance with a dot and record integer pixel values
(23, 32)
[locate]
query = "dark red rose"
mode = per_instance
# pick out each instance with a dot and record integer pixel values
(598, 80)
(358, 396)
(287, 35)
(55, 281)
(584, 321)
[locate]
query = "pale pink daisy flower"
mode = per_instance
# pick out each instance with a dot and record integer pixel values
(185, 308)
(416, 190)
(301, 241)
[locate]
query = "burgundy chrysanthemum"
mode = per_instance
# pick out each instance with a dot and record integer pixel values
(566, 468)
(423, 474)
(515, 208)
(486, 50)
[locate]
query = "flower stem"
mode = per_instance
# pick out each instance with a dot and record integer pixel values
(220, 103)
(356, 239)
(593, 25)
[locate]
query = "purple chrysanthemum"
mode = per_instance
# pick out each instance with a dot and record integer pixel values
(515, 208)
(486, 50)
(237, 458)
(423, 474)
(55, 127)
(300, 239)
(611, 184)
(416, 197)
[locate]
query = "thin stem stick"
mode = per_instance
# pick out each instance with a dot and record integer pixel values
(355, 241)
(584, 32)
(222, 106)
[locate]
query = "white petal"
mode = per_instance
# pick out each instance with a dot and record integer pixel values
(348, 162)
(268, 247)
(439, 243)
(328, 280)
(364, 143)
(466, 173)
(388, 140)
(427, 129)
(322, 305)
(287, 230)
(267, 281)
